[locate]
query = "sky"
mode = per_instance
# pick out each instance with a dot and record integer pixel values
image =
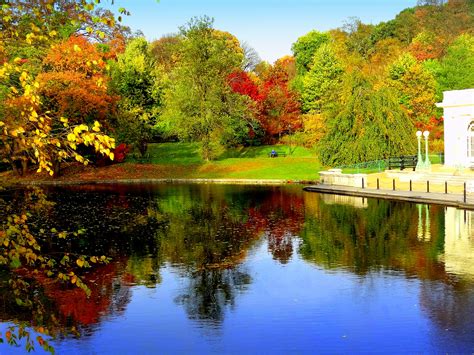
(269, 26)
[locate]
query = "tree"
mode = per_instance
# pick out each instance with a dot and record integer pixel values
(199, 104)
(426, 45)
(73, 82)
(416, 87)
(359, 37)
(136, 79)
(29, 132)
(456, 70)
(165, 51)
(251, 57)
(321, 82)
(369, 125)
(279, 112)
(305, 47)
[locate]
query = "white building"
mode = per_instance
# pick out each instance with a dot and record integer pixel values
(458, 108)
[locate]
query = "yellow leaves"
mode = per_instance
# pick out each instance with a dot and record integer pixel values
(71, 137)
(111, 156)
(80, 158)
(33, 116)
(29, 38)
(24, 76)
(93, 259)
(53, 33)
(77, 48)
(96, 127)
(79, 129)
(80, 262)
(63, 119)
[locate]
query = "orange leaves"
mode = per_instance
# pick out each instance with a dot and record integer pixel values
(75, 84)
(77, 55)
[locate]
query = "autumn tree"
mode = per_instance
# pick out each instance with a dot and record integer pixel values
(280, 108)
(30, 132)
(416, 87)
(165, 51)
(74, 83)
(199, 104)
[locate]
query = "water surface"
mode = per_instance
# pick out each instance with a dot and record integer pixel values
(232, 269)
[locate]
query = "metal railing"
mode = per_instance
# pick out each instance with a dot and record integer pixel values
(382, 164)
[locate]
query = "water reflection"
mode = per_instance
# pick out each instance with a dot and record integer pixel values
(213, 242)
(458, 253)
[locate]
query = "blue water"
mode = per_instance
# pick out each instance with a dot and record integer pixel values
(232, 269)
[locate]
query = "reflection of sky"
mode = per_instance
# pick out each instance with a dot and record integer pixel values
(293, 307)
(270, 26)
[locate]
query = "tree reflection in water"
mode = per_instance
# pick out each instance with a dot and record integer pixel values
(205, 233)
(210, 291)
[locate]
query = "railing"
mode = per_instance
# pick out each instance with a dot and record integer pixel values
(366, 167)
(381, 165)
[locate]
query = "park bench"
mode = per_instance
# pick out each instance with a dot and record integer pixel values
(402, 162)
(278, 153)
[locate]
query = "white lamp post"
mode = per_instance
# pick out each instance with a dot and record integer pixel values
(427, 159)
(419, 164)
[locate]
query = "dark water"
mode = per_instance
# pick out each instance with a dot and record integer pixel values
(232, 269)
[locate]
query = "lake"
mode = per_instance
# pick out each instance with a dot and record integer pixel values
(257, 269)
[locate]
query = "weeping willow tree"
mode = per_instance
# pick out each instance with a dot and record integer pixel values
(370, 125)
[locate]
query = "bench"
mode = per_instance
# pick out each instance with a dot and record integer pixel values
(278, 153)
(402, 162)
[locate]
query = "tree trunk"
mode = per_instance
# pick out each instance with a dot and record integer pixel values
(56, 168)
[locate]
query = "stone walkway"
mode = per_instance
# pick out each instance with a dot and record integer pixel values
(420, 186)
(450, 199)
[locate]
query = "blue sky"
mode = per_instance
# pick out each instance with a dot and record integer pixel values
(269, 26)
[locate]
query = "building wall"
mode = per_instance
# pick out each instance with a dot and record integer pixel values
(458, 108)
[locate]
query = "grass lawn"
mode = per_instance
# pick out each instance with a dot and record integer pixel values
(182, 161)
(237, 163)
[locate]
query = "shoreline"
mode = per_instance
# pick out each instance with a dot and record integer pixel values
(452, 199)
(274, 182)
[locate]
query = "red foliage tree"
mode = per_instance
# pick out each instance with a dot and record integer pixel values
(276, 104)
(280, 111)
(241, 83)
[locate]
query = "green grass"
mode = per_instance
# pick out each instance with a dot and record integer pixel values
(237, 163)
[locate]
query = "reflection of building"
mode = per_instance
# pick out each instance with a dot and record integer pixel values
(459, 241)
(358, 202)
(424, 225)
(458, 108)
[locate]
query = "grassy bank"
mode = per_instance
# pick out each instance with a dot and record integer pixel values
(182, 160)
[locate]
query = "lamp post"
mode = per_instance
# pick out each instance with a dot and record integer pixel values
(427, 158)
(419, 164)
